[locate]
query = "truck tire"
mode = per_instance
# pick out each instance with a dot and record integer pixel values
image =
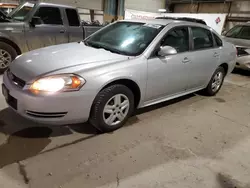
(7, 55)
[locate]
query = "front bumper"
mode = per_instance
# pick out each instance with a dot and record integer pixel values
(59, 109)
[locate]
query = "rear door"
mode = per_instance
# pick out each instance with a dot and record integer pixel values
(74, 29)
(205, 56)
(51, 31)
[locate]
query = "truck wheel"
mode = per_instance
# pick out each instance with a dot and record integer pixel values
(112, 107)
(7, 55)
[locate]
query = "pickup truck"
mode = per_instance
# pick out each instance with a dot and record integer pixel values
(35, 25)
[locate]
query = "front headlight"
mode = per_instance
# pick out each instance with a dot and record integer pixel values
(55, 83)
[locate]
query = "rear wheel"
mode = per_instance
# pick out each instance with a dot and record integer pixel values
(112, 107)
(215, 82)
(7, 55)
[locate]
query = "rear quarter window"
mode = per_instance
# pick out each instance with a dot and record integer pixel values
(217, 40)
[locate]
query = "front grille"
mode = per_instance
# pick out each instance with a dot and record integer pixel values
(17, 81)
(46, 114)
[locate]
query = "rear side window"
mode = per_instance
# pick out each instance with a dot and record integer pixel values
(177, 38)
(202, 38)
(72, 17)
(50, 15)
(218, 41)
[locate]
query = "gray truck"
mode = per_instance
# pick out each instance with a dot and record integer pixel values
(35, 25)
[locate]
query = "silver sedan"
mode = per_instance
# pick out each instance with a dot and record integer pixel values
(124, 66)
(239, 35)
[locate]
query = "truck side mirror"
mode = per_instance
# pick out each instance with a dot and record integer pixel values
(36, 21)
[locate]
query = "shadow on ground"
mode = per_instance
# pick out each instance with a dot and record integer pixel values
(27, 138)
(23, 144)
(241, 72)
(163, 104)
(226, 181)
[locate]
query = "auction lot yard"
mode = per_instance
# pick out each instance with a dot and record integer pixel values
(193, 141)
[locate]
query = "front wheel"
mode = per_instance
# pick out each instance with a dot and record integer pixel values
(215, 82)
(112, 107)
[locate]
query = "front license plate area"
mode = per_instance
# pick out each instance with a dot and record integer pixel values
(9, 99)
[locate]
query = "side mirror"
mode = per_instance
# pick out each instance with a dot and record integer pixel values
(166, 50)
(36, 21)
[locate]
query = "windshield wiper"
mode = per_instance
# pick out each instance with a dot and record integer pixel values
(98, 46)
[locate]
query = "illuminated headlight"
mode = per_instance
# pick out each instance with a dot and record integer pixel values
(55, 83)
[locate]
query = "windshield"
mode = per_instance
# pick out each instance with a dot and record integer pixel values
(127, 38)
(21, 12)
(240, 31)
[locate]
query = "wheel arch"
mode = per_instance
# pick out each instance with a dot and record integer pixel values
(11, 43)
(132, 85)
(225, 66)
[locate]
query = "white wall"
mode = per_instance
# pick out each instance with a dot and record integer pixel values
(210, 19)
(145, 5)
(87, 4)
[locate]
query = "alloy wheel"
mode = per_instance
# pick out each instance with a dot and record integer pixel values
(5, 59)
(217, 81)
(116, 109)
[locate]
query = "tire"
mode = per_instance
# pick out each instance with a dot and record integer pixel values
(210, 90)
(10, 52)
(106, 100)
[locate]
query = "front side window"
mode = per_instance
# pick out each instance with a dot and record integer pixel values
(127, 38)
(177, 38)
(232, 33)
(50, 15)
(72, 17)
(202, 38)
(245, 33)
(239, 31)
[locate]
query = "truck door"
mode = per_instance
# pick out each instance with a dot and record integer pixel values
(74, 28)
(49, 31)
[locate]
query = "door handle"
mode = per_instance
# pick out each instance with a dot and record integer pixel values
(185, 60)
(216, 54)
(62, 31)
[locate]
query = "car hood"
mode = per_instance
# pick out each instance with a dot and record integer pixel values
(238, 42)
(47, 60)
(12, 25)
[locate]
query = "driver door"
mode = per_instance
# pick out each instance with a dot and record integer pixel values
(50, 32)
(167, 76)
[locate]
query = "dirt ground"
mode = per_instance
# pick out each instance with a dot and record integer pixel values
(193, 141)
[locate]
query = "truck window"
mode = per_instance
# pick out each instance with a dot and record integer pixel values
(50, 15)
(72, 17)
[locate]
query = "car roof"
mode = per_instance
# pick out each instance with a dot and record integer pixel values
(188, 19)
(166, 22)
(56, 5)
(246, 24)
(150, 21)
